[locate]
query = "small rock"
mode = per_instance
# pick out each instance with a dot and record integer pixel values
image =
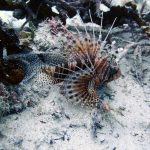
(18, 142)
(2, 135)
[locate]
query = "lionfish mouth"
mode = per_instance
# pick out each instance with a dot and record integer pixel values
(84, 73)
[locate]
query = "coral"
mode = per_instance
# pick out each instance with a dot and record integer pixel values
(49, 33)
(14, 99)
(4, 106)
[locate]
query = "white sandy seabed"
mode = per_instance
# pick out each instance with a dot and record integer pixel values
(57, 124)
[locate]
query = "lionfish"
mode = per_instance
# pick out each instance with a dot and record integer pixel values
(86, 71)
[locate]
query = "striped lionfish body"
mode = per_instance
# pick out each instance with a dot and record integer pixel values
(82, 74)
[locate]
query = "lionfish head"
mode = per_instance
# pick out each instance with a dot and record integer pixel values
(114, 70)
(106, 70)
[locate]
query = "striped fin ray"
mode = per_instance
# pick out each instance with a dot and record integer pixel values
(80, 88)
(86, 47)
(61, 71)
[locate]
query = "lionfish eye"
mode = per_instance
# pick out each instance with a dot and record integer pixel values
(113, 63)
(114, 70)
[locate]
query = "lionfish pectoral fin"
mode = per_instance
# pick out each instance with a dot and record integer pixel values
(76, 89)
